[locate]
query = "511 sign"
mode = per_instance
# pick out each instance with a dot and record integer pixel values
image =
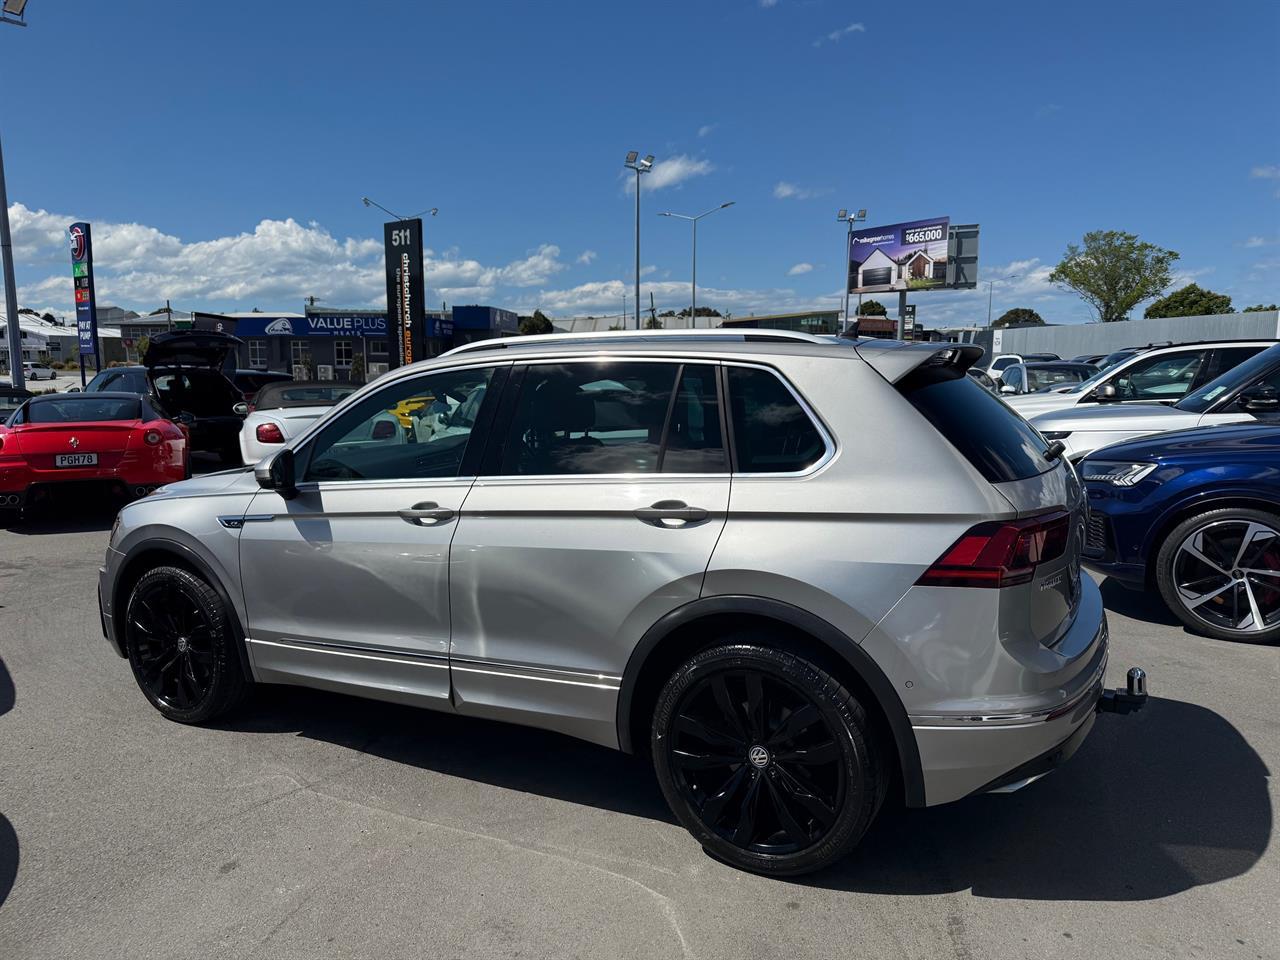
(405, 288)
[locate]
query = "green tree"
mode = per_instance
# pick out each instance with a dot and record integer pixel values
(1259, 308)
(1190, 301)
(653, 323)
(538, 323)
(872, 308)
(144, 344)
(1019, 317)
(357, 368)
(1114, 271)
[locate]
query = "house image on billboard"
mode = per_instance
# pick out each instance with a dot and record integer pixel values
(881, 270)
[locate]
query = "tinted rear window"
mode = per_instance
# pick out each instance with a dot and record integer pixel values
(84, 410)
(998, 442)
(771, 431)
(292, 394)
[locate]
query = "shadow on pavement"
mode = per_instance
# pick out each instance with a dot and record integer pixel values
(8, 837)
(504, 755)
(1153, 804)
(1144, 605)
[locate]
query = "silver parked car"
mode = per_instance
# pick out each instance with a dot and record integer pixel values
(800, 573)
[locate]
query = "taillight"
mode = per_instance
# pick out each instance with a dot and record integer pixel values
(152, 437)
(1000, 553)
(269, 433)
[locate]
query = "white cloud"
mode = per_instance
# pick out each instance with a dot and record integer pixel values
(1257, 241)
(274, 266)
(1270, 171)
(705, 129)
(800, 268)
(586, 256)
(670, 172)
(768, 3)
(790, 191)
(645, 271)
(836, 35)
(1047, 110)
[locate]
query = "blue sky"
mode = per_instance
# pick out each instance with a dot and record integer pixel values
(221, 154)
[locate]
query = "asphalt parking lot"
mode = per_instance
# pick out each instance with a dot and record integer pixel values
(316, 825)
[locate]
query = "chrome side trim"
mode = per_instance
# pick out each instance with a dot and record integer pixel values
(521, 671)
(984, 721)
(437, 661)
(231, 522)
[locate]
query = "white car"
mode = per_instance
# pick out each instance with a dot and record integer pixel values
(1163, 375)
(1247, 393)
(283, 410)
(1000, 363)
(38, 371)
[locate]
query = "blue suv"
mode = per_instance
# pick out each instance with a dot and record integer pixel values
(1195, 514)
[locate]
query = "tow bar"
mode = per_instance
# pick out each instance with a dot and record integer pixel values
(1129, 700)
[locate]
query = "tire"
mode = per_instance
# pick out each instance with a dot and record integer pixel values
(1212, 558)
(793, 785)
(180, 641)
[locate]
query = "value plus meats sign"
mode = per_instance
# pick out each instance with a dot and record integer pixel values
(405, 292)
(81, 240)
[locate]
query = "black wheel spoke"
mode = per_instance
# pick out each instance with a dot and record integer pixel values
(782, 809)
(720, 690)
(716, 738)
(801, 794)
(796, 723)
(821, 753)
(713, 809)
(744, 832)
(163, 619)
(202, 657)
(704, 761)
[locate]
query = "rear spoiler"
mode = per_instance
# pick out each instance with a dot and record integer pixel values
(893, 360)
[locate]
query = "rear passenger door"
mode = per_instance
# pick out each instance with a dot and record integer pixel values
(596, 513)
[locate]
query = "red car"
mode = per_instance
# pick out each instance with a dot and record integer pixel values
(115, 441)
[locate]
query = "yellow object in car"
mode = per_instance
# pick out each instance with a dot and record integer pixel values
(405, 408)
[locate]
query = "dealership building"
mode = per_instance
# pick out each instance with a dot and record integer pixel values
(328, 343)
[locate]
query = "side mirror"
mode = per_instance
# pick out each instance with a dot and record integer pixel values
(1005, 388)
(276, 473)
(1259, 399)
(241, 409)
(1106, 393)
(73, 390)
(184, 419)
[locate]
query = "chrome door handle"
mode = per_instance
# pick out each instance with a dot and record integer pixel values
(421, 514)
(671, 510)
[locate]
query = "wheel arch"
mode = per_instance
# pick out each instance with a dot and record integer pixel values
(149, 554)
(1201, 502)
(699, 624)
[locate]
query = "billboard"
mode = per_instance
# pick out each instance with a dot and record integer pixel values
(899, 257)
(405, 288)
(80, 238)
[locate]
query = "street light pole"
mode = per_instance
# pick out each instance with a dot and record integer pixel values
(990, 284)
(693, 296)
(639, 166)
(851, 219)
(11, 322)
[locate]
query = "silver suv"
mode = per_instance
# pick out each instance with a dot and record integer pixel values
(799, 573)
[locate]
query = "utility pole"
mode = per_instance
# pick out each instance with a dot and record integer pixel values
(12, 325)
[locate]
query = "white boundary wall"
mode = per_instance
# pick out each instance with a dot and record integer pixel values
(1075, 339)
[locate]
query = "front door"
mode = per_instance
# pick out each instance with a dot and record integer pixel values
(594, 516)
(347, 584)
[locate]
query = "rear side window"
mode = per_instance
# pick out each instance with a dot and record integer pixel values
(998, 442)
(772, 433)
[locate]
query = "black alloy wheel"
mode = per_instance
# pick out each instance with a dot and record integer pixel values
(766, 759)
(179, 642)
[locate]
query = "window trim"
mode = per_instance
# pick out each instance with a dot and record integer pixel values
(493, 450)
(492, 459)
(304, 445)
(828, 439)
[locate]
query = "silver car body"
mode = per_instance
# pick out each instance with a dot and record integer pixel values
(542, 600)
(1084, 431)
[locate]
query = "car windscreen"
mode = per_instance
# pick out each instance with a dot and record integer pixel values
(83, 409)
(998, 442)
(274, 396)
(1041, 378)
(1198, 401)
